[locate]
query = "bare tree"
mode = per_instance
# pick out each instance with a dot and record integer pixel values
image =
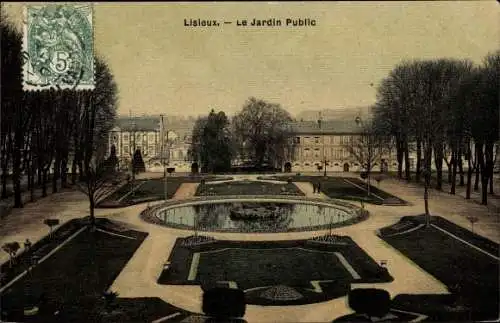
(368, 148)
(98, 110)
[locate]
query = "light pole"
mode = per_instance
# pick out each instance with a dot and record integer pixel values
(163, 136)
(132, 131)
(360, 123)
(320, 121)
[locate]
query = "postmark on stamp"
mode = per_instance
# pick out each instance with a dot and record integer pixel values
(58, 47)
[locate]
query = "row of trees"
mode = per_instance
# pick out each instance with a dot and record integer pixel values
(449, 110)
(58, 129)
(258, 134)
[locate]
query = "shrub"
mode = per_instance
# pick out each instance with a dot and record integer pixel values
(110, 300)
(51, 223)
(370, 301)
(11, 248)
(224, 303)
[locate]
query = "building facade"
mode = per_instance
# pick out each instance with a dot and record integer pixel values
(314, 144)
(159, 144)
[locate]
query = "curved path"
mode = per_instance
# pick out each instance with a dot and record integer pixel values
(139, 276)
(138, 279)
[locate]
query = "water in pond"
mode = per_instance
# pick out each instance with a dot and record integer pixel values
(254, 216)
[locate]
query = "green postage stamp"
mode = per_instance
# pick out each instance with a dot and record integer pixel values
(58, 47)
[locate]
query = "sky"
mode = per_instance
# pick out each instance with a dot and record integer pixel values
(162, 66)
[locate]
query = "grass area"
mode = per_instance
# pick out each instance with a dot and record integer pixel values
(267, 267)
(248, 188)
(471, 275)
(147, 190)
(73, 279)
(290, 264)
(346, 188)
(39, 249)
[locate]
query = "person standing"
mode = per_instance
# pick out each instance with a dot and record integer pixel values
(314, 187)
(318, 187)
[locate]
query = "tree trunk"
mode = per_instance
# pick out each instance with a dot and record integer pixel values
(461, 169)
(419, 161)
(44, 182)
(64, 171)
(5, 167)
(399, 157)
(4, 182)
(18, 202)
(428, 173)
(438, 161)
(56, 173)
(39, 175)
(489, 165)
(476, 182)
(484, 175)
(469, 179)
(450, 166)
(16, 178)
(454, 174)
(28, 174)
(73, 171)
(407, 162)
(92, 214)
(32, 189)
(81, 175)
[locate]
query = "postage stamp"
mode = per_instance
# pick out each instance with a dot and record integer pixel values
(58, 47)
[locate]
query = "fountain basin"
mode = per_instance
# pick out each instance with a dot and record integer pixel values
(254, 214)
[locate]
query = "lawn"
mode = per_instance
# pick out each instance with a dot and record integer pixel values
(267, 267)
(39, 249)
(293, 265)
(147, 190)
(472, 275)
(73, 279)
(248, 188)
(346, 188)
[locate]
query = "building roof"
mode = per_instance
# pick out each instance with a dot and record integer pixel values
(138, 123)
(152, 123)
(327, 127)
(185, 127)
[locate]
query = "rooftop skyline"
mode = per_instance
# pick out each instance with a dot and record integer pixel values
(164, 67)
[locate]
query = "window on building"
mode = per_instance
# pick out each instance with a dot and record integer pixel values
(125, 137)
(306, 149)
(126, 149)
(316, 140)
(297, 140)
